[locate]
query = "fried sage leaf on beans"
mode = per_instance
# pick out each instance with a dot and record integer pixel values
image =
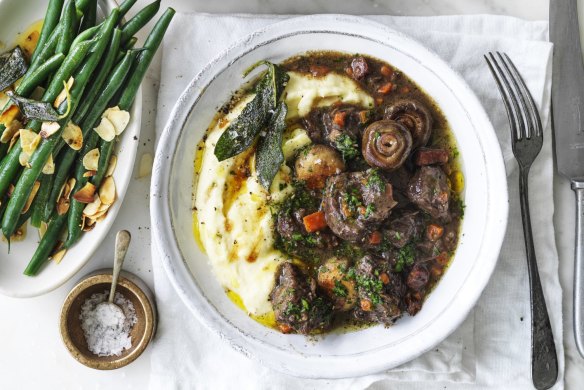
(242, 132)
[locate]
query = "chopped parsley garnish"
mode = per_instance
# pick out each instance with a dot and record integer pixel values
(347, 146)
(305, 305)
(340, 290)
(405, 257)
(351, 198)
(376, 180)
(372, 288)
(369, 210)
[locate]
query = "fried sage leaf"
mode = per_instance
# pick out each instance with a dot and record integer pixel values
(269, 155)
(33, 109)
(12, 67)
(242, 132)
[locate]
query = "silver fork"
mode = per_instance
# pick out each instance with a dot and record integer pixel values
(527, 140)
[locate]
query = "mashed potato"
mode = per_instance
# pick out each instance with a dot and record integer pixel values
(233, 219)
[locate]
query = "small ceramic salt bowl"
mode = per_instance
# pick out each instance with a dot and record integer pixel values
(142, 332)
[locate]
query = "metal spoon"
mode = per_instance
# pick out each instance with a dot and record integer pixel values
(122, 242)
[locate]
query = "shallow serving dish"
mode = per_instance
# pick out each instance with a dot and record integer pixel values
(131, 287)
(336, 354)
(15, 17)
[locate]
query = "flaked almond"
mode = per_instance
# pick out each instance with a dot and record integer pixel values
(92, 207)
(102, 217)
(49, 167)
(107, 191)
(73, 136)
(14, 139)
(43, 229)
(23, 159)
(10, 130)
(29, 140)
(63, 94)
(35, 189)
(57, 257)
(48, 129)
(111, 166)
(87, 224)
(70, 185)
(10, 114)
(119, 118)
(145, 168)
(63, 205)
(106, 130)
(85, 195)
(91, 160)
(90, 174)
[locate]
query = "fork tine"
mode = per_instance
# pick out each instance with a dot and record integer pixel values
(533, 111)
(514, 96)
(519, 96)
(510, 104)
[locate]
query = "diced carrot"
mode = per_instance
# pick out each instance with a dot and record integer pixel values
(442, 258)
(284, 328)
(314, 222)
(385, 88)
(404, 90)
(384, 278)
(364, 116)
(375, 238)
(436, 270)
(379, 101)
(434, 232)
(365, 305)
(386, 70)
(339, 118)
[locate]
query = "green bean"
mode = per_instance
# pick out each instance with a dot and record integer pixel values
(50, 22)
(40, 200)
(106, 150)
(65, 71)
(47, 50)
(3, 203)
(125, 7)
(89, 16)
(139, 20)
(139, 70)
(34, 79)
(65, 161)
(86, 35)
(131, 43)
(115, 82)
(69, 27)
(47, 245)
(67, 157)
(3, 149)
(41, 154)
(104, 68)
(82, 5)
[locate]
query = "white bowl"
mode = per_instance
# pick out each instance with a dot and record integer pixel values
(12, 281)
(337, 354)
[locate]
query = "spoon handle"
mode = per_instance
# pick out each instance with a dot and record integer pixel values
(122, 242)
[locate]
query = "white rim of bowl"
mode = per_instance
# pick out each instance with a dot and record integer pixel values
(163, 231)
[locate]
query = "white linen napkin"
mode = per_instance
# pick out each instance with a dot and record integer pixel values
(492, 347)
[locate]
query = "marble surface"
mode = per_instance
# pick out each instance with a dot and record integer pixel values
(33, 354)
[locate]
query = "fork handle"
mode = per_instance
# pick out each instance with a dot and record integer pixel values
(578, 187)
(544, 360)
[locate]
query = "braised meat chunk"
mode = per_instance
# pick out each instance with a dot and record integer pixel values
(380, 291)
(297, 305)
(429, 190)
(355, 203)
